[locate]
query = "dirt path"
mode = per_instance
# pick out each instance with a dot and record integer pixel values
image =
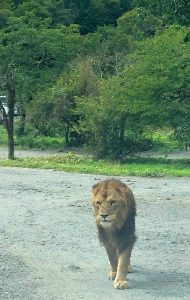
(48, 241)
(39, 153)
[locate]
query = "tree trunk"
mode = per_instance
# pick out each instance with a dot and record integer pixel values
(122, 131)
(66, 134)
(11, 127)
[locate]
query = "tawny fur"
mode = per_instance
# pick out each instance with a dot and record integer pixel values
(115, 211)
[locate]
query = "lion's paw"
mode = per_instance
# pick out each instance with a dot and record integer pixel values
(120, 284)
(111, 275)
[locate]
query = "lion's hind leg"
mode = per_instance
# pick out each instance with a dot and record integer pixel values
(112, 275)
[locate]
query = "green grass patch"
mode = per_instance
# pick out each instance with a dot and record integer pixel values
(33, 141)
(134, 167)
(3, 136)
(39, 142)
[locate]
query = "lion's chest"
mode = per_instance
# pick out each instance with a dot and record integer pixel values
(108, 238)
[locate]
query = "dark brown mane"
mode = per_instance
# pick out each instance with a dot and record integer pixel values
(124, 238)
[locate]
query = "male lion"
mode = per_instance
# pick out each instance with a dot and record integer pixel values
(115, 210)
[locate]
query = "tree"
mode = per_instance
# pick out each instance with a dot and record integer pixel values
(37, 52)
(5, 12)
(60, 13)
(56, 110)
(115, 127)
(138, 23)
(108, 46)
(157, 79)
(90, 14)
(39, 8)
(152, 91)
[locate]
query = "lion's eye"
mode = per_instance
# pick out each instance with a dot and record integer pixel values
(99, 203)
(112, 202)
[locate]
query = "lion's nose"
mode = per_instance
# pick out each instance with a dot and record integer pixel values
(104, 216)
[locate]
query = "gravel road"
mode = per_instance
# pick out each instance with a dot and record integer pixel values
(20, 153)
(49, 248)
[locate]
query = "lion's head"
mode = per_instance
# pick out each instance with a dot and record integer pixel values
(113, 203)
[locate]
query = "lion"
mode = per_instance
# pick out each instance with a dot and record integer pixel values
(115, 211)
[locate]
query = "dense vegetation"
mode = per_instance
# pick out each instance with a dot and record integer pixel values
(101, 73)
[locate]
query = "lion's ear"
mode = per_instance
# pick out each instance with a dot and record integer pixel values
(95, 188)
(125, 189)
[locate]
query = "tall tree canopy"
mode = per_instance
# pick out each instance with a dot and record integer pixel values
(106, 72)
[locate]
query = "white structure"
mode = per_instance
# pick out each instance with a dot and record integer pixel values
(5, 107)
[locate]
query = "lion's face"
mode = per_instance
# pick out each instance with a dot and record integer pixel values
(111, 203)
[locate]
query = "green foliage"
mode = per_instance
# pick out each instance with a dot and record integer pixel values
(60, 13)
(171, 11)
(112, 122)
(38, 9)
(152, 91)
(5, 12)
(108, 46)
(161, 67)
(3, 136)
(38, 53)
(91, 14)
(33, 140)
(39, 142)
(182, 135)
(138, 23)
(163, 141)
(98, 72)
(68, 158)
(58, 104)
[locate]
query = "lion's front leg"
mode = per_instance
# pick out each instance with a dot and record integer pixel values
(122, 269)
(112, 255)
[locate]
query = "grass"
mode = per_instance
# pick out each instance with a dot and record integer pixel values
(73, 163)
(161, 141)
(39, 142)
(134, 167)
(32, 141)
(3, 136)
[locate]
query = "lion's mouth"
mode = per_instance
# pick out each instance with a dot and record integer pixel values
(106, 222)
